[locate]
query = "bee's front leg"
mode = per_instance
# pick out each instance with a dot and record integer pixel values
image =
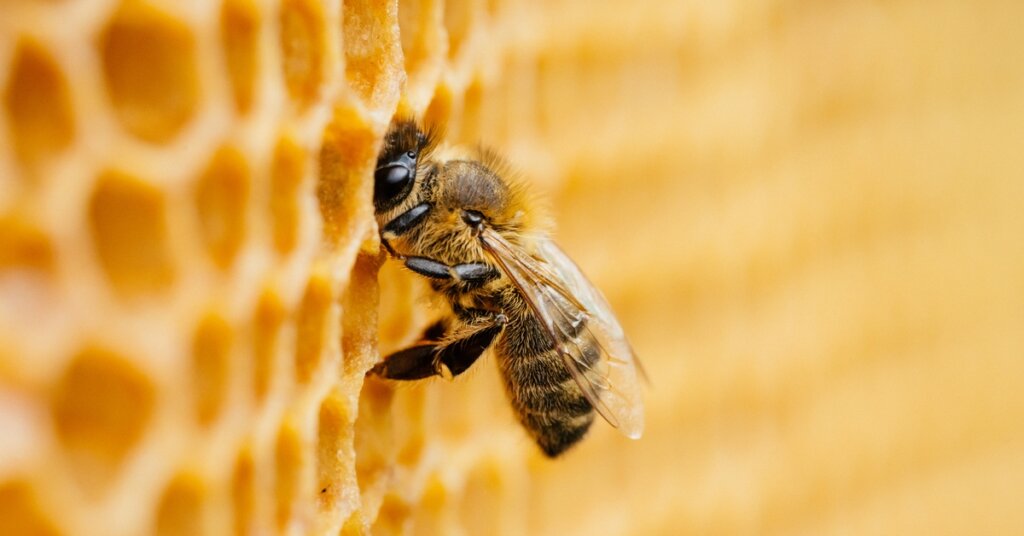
(470, 272)
(402, 224)
(447, 358)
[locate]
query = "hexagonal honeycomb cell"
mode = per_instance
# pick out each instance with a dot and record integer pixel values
(244, 494)
(128, 220)
(211, 366)
(267, 349)
(311, 325)
(240, 25)
(294, 494)
(422, 47)
(372, 51)
(222, 197)
(806, 215)
(180, 510)
(38, 104)
(287, 172)
(101, 406)
(150, 70)
(335, 471)
(347, 156)
(302, 48)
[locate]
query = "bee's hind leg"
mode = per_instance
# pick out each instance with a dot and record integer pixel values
(446, 359)
(436, 331)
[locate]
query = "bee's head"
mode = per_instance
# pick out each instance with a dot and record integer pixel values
(472, 193)
(465, 197)
(443, 194)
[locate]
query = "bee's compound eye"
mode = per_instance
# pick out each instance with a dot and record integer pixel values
(393, 181)
(390, 182)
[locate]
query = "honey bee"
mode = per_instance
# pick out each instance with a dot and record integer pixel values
(454, 216)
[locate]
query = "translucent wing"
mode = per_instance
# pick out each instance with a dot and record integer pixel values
(571, 310)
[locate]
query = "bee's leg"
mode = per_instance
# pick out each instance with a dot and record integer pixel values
(475, 272)
(435, 331)
(413, 363)
(402, 223)
(391, 251)
(428, 267)
(447, 359)
(406, 220)
(459, 354)
(471, 272)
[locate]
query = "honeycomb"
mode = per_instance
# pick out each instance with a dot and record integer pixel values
(807, 215)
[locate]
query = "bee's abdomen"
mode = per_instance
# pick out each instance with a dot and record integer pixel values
(549, 403)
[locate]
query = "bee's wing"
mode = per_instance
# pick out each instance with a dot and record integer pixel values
(569, 307)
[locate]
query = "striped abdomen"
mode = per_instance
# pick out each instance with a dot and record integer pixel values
(543, 392)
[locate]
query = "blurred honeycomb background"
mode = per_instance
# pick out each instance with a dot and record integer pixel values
(808, 215)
